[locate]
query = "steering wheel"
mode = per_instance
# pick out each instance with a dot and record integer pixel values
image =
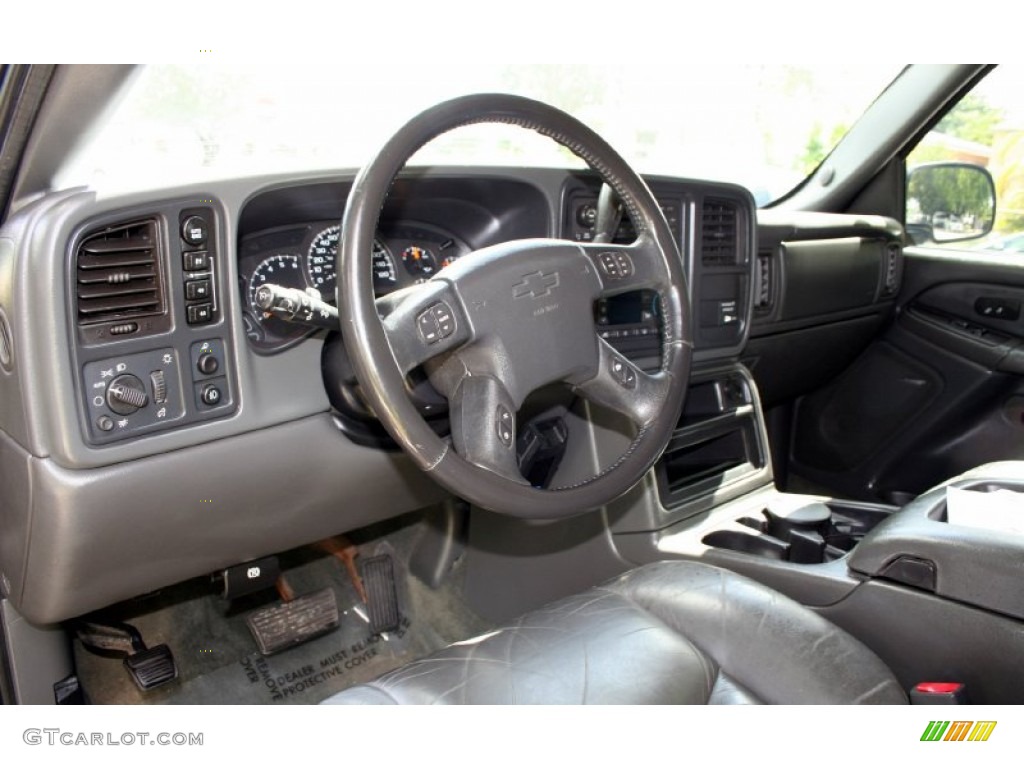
(507, 319)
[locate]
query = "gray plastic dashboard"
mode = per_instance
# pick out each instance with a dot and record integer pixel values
(88, 520)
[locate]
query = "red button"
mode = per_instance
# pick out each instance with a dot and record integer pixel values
(938, 687)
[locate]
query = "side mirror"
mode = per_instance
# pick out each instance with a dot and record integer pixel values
(949, 202)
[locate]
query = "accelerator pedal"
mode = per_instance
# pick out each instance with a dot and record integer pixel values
(382, 597)
(293, 621)
(149, 667)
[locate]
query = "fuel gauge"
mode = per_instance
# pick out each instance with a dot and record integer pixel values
(419, 262)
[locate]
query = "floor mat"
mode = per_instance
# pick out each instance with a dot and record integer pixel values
(218, 661)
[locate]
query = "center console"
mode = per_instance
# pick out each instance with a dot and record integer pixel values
(936, 596)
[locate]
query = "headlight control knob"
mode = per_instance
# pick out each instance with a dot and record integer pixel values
(126, 394)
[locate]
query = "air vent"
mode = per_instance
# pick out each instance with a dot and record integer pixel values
(892, 278)
(718, 233)
(118, 274)
(763, 282)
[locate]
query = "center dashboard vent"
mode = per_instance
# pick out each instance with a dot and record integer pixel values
(118, 274)
(718, 233)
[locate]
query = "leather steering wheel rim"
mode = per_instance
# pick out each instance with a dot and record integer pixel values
(474, 364)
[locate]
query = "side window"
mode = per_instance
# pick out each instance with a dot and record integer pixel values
(949, 202)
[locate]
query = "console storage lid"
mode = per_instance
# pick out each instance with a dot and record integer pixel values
(981, 566)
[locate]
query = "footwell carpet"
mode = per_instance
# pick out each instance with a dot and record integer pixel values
(218, 661)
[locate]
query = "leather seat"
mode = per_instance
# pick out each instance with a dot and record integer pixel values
(666, 633)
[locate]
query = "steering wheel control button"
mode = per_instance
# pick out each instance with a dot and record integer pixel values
(197, 290)
(208, 364)
(623, 373)
(615, 264)
(427, 325)
(194, 230)
(504, 425)
(211, 395)
(445, 319)
(196, 261)
(126, 394)
(105, 423)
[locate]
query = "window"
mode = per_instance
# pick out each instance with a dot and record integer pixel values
(986, 128)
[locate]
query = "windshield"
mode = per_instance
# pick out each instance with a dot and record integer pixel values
(763, 126)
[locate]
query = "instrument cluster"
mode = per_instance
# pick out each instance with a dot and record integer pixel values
(303, 256)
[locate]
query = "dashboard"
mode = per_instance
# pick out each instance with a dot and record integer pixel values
(156, 426)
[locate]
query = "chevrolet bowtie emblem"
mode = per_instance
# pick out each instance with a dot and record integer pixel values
(536, 285)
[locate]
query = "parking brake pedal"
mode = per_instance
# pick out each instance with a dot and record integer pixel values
(293, 621)
(149, 667)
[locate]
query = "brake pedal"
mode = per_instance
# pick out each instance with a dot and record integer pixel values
(382, 597)
(152, 667)
(294, 621)
(149, 667)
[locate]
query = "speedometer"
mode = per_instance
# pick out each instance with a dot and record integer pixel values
(384, 276)
(320, 262)
(323, 252)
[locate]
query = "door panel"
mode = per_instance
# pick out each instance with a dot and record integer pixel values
(940, 391)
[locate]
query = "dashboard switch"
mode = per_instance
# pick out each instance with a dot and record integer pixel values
(196, 290)
(211, 395)
(126, 395)
(200, 313)
(208, 364)
(196, 261)
(194, 230)
(156, 378)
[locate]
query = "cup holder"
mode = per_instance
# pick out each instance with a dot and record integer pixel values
(801, 531)
(762, 546)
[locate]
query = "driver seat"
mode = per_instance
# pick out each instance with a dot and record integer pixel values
(674, 632)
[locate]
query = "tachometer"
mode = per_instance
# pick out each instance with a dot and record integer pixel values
(320, 263)
(284, 270)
